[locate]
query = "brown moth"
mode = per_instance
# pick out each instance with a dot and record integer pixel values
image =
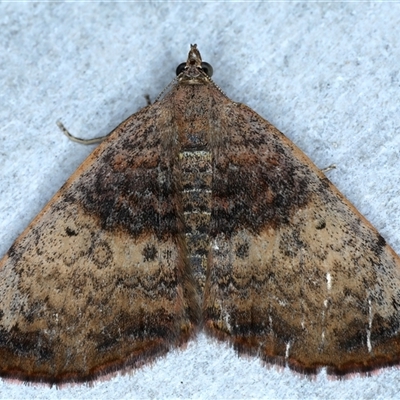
(196, 213)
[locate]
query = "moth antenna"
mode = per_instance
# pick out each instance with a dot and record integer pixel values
(95, 140)
(165, 90)
(217, 87)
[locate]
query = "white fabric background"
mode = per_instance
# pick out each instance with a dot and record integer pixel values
(326, 74)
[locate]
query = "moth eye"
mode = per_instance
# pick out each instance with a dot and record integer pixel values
(180, 68)
(207, 68)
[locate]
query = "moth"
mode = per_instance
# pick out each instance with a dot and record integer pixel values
(197, 213)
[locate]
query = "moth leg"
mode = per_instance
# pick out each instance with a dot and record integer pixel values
(79, 140)
(148, 99)
(328, 168)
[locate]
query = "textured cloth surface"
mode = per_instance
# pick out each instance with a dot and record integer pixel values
(325, 74)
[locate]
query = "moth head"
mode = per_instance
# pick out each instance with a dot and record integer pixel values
(194, 71)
